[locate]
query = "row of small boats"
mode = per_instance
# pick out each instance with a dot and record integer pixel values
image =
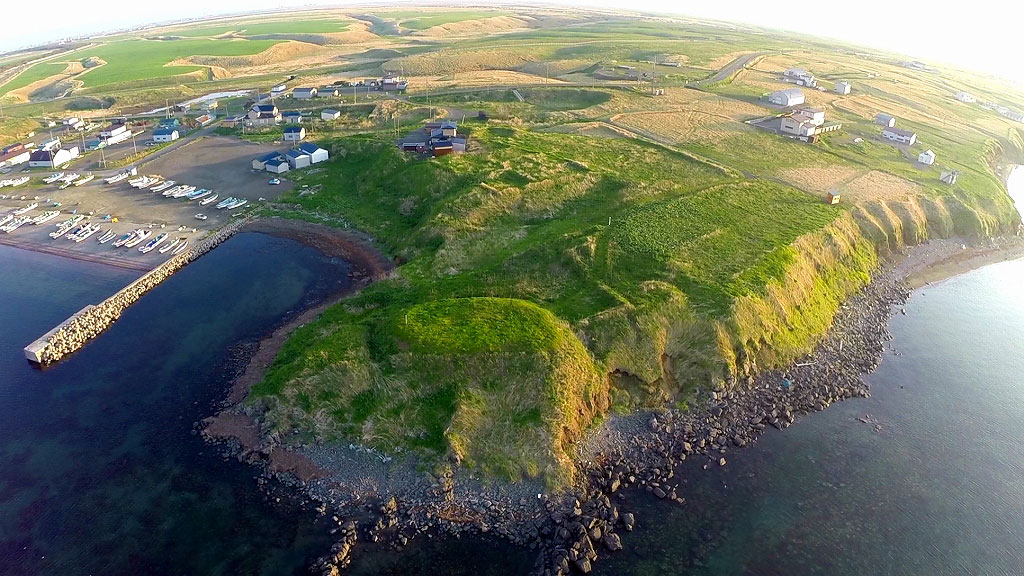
(13, 182)
(77, 230)
(171, 189)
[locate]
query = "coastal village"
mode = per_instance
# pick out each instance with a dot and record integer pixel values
(652, 237)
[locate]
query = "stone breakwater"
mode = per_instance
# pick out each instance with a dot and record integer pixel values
(76, 331)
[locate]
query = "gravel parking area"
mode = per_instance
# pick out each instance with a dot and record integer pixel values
(221, 163)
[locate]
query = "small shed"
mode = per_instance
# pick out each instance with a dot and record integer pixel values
(790, 97)
(833, 197)
(298, 159)
(292, 117)
(316, 153)
(927, 157)
(842, 88)
(260, 163)
(277, 166)
(330, 114)
(886, 120)
(443, 147)
(165, 135)
(304, 93)
(294, 134)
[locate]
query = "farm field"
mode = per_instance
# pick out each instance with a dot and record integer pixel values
(33, 74)
(137, 60)
(247, 28)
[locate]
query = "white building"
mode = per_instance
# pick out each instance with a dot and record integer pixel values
(52, 158)
(15, 157)
(298, 158)
(966, 97)
(797, 126)
(294, 134)
(278, 166)
(885, 120)
(316, 153)
(50, 144)
(927, 157)
(789, 97)
(800, 76)
(842, 88)
(165, 135)
(901, 136)
(304, 93)
(330, 115)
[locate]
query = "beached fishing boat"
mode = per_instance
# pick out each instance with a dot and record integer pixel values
(15, 224)
(84, 180)
(76, 231)
(92, 229)
(161, 187)
(116, 178)
(209, 200)
(45, 217)
(174, 190)
(153, 243)
(66, 225)
(28, 208)
(184, 192)
(223, 203)
(125, 238)
(6, 218)
(135, 181)
(149, 183)
(170, 245)
(107, 236)
(138, 238)
(69, 177)
(13, 182)
(237, 203)
(181, 248)
(53, 177)
(197, 193)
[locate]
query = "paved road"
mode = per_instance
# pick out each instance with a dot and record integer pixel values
(733, 66)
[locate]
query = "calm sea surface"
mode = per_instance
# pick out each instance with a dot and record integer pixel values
(99, 473)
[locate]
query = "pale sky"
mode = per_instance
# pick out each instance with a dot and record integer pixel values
(983, 35)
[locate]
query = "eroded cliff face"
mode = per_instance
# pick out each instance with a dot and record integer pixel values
(663, 350)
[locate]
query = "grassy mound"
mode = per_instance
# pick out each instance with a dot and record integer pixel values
(497, 384)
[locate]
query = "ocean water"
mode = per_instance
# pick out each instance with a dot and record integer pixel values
(100, 474)
(99, 471)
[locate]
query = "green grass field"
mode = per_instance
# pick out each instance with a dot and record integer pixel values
(34, 73)
(135, 60)
(263, 27)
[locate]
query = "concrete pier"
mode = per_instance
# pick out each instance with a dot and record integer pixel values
(70, 335)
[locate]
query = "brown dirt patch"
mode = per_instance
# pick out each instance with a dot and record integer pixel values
(877, 185)
(819, 179)
(684, 125)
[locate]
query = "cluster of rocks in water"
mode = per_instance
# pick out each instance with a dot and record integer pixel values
(89, 323)
(642, 451)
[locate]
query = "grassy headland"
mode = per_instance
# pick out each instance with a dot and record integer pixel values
(599, 247)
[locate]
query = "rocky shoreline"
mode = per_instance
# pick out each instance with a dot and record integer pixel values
(388, 504)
